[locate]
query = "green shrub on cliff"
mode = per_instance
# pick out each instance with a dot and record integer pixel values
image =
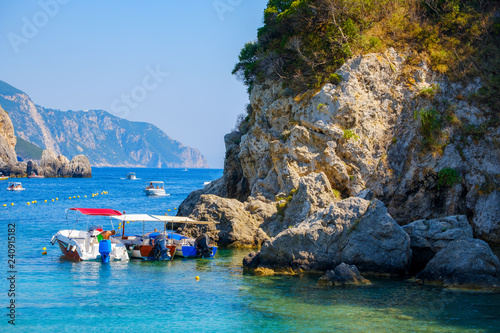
(303, 42)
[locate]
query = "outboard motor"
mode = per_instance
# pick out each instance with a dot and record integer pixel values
(203, 249)
(105, 250)
(160, 250)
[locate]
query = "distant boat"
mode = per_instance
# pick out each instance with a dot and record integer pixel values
(155, 188)
(131, 175)
(185, 170)
(2, 177)
(34, 175)
(15, 186)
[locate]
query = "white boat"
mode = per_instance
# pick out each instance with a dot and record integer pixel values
(131, 176)
(155, 188)
(15, 186)
(93, 243)
(34, 175)
(2, 177)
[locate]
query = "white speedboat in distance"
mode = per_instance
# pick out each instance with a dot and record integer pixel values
(155, 188)
(15, 186)
(131, 176)
(93, 243)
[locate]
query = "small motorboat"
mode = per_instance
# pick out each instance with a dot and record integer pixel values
(187, 247)
(2, 177)
(15, 186)
(93, 243)
(34, 175)
(131, 176)
(155, 188)
(151, 246)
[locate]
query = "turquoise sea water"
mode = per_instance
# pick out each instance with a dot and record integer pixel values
(53, 294)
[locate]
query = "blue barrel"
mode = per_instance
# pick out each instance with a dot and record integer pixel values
(105, 250)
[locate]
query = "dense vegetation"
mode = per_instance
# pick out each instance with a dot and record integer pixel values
(27, 151)
(303, 42)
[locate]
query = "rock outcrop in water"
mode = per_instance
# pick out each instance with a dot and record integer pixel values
(343, 275)
(464, 263)
(365, 136)
(52, 166)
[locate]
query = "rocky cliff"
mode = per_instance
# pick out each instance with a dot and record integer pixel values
(105, 139)
(50, 165)
(418, 141)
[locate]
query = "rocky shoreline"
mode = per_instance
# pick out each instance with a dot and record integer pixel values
(344, 175)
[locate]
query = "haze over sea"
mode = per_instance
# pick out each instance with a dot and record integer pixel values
(55, 294)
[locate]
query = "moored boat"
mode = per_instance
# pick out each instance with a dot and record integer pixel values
(148, 246)
(131, 176)
(2, 177)
(34, 175)
(15, 186)
(187, 247)
(155, 188)
(93, 243)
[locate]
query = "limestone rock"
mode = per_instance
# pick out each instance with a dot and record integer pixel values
(237, 227)
(428, 237)
(7, 141)
(354, 231)
(464, 263)
(52, 166)
(343, 274)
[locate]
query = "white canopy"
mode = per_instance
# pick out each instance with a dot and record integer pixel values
(136, 218)
(158, 218)
(180, 219)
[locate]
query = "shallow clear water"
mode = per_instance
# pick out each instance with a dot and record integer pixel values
(55, 294)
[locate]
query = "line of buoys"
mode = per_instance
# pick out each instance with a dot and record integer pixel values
(57, 199)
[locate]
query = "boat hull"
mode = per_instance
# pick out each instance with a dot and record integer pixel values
(155, 192)
(188, 251)
(78, 245)
(146, 252)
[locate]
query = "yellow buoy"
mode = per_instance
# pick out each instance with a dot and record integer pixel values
(44, 248)
(45, 200)
(5, 205)
(74, 197)
(85, 196)
(52, 199)
(69, 198)
(57, 199)
(128, 221)
(169, 210)
(28, 203)
(33, 202)
(12, 204)
(175, 208)
(197, 278)
(78, 196)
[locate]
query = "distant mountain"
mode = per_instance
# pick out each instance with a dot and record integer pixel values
(105, 139)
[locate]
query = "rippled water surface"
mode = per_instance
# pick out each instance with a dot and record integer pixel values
(53, 294)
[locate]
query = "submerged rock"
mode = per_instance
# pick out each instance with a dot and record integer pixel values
(343, 274)
(464, 263)
(428, 237)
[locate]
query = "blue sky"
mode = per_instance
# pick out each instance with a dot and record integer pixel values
(164, 62)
